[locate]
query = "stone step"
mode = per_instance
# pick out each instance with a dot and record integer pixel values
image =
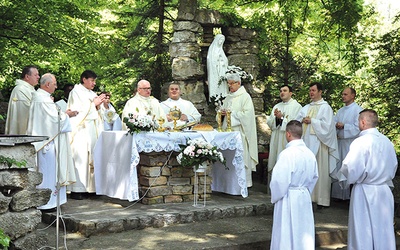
(101, 214)
(226, 222)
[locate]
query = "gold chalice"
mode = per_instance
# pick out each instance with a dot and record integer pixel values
(161, 121)
(175, 115)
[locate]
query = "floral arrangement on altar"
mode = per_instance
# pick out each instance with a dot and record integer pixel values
(198, 151)
(137, 123)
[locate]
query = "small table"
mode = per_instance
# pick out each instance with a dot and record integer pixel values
(116, 156)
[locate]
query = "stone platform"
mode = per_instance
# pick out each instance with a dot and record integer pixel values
(226, 222)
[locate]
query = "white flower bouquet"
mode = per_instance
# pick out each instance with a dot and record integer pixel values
(198, 151)
(137, 123)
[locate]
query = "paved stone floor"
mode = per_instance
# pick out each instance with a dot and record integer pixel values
(226, 222)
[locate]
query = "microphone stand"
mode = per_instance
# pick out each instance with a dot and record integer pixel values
(58, 187)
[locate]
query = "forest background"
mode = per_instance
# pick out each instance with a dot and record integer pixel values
(338, 42)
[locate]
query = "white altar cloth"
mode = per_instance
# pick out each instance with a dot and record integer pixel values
(116, 158)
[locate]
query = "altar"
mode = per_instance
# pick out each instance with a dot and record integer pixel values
(117, 154)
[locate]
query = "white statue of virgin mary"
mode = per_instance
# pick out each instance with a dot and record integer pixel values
(217, 64)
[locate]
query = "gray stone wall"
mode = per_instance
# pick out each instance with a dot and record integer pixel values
(19, 218)
(170, 184)
(193, 34)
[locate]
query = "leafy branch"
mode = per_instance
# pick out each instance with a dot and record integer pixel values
(10, 161)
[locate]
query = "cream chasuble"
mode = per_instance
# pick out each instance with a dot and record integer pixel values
(243, 119)
(143, 106)
(45, 120)
(18, 108)
(86, 128)
(320, 138)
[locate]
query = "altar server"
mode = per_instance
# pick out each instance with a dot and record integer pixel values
(370, 166)
(112, 122)
(293, 179)
(46, 119)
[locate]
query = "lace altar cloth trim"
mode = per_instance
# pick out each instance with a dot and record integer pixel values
(169, 141)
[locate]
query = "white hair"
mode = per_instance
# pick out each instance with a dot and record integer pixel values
(46, 78)
(234, 77)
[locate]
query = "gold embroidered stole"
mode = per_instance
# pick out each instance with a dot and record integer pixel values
(311, 113)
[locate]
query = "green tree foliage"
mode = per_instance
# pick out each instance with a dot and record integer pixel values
(147, 29)
(59, 36)
(300, 42)
(335, 42)
(382, 90)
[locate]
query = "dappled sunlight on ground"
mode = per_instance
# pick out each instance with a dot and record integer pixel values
(330, 226)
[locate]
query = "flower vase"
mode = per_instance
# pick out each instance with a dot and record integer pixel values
(202, 167)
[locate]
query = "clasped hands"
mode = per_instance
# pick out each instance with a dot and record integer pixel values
(339, 125)
(306, 120)
(278, 114)
(71, 113)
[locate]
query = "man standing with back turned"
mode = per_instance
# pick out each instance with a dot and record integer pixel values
(370, 165)
(293, 180)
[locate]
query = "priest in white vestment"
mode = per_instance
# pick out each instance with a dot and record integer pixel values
(20, 101)
(54, 156)
(143, 104)
(347, 130)
(86, 128)
(319, 134)
(293, 179)
(281, 114)
(243, 119)
(370, 165)
(189, 113)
